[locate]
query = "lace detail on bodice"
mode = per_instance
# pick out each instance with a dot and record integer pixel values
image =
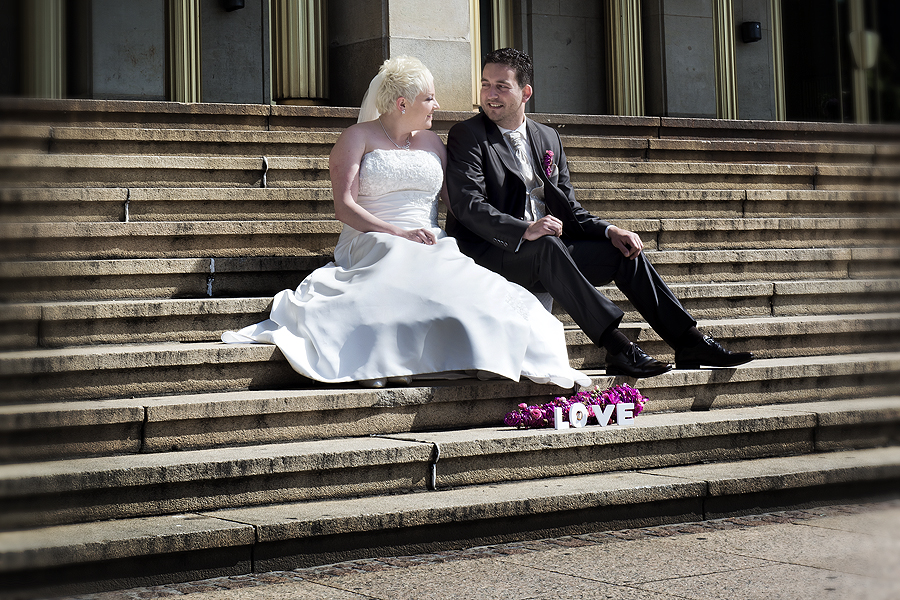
(386, 171)
(404, 185)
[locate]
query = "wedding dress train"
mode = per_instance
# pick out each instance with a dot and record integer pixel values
(390, 307)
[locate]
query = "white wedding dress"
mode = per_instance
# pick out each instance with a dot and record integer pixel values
(389, 307)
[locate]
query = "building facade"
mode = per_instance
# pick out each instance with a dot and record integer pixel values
(809, 60)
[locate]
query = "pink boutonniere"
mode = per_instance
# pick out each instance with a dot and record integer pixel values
(548, 162)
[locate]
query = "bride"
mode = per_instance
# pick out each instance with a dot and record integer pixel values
(400, 299)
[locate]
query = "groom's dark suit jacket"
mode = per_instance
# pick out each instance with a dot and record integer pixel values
(487, 191)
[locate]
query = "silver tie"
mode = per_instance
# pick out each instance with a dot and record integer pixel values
(517, 142)
(534, 203)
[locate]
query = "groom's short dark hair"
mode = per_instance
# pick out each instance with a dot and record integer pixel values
(516, 60)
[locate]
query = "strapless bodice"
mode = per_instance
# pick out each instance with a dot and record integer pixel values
(399, 187)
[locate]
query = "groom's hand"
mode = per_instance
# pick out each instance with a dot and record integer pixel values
(548, 225)
(628, 242)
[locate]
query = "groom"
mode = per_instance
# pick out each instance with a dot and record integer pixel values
(514, 212)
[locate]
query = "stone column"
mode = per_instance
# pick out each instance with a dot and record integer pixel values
(864, 50)
(369, 32)
(44, 36)
(502, 34)
(299, 51)
(502, 25)
(726, 81)
(184, 50)
(624, 56)
(777, 59)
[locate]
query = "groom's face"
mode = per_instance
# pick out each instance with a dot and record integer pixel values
(502, 100)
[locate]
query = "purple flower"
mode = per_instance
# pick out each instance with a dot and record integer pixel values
(548, 163)
(530, 417)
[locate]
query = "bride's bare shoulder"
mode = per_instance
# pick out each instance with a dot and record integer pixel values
(356, 140)
(429, 140)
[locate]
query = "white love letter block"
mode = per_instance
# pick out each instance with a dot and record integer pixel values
(558, 421)
(578, 415)
(625, 414)
(604, 415)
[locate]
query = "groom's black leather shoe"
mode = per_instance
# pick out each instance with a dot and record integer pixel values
(634, 362)
(710, 353)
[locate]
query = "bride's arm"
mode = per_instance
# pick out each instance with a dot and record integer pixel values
(343, 166)
(438, 147)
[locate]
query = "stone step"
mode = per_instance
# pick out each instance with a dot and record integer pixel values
(169, 367)
(119, 205)
(139, 114)
(706, 175)
(766, 337)
(693, 128)
(66, 428)
(88, 170)
(28, 281)
(751, 203)
(170, 239)
(155, 115)
(54, 281)
(718, 150)
(218, 142)
(187, 142)
(231, 239)
(116, 554)
(152, 484)
(58, 324)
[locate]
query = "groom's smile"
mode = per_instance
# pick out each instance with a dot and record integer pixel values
(502, 99)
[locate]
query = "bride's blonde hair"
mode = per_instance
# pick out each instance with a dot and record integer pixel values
(404, 76)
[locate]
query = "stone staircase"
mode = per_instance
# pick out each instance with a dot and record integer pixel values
(136, 448)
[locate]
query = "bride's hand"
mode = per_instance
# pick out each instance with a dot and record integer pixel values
(421, 236)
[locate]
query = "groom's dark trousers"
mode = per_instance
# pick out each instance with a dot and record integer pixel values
(487, 200)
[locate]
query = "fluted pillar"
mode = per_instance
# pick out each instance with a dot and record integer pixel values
(502, 36)
(864, 50)
(44, 54)
(502, 26)
(777, 59)
(726, 78)
(299, 51)
(184, 50)
(625, 81)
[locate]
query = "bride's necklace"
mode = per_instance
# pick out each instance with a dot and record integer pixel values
(404, 146)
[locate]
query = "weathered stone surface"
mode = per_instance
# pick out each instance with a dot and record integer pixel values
(766, 475)
(760, 151)
(88, 170)
(191, 142)
(36, 205)
(759, 233)
(852, 177)
(463, 505)
(650, 203)
(786, 130)
(484, 456)
(856, 423)
(110, 540)
(192, 239)
(230, 204)
(783, 381)
(135, 113)
(679, 175)
(836, 297)
(152, 484)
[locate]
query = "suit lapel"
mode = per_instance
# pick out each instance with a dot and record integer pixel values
(498, 144)
(536, 142)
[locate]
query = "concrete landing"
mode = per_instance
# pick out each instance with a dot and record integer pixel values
(846, 551)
